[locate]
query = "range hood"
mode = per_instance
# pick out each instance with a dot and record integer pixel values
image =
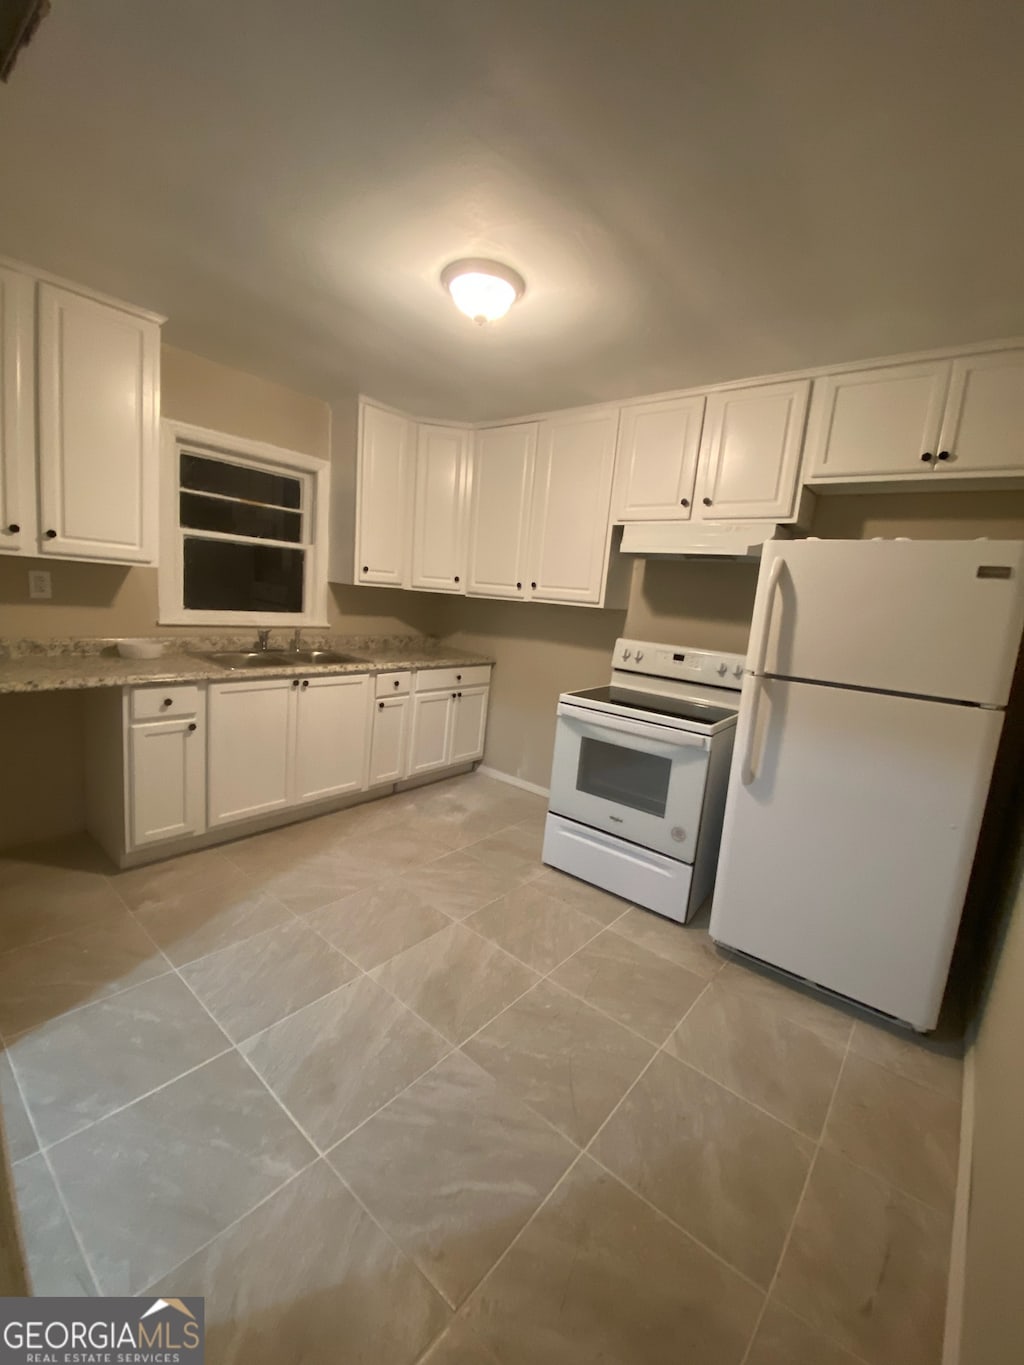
(675, 539)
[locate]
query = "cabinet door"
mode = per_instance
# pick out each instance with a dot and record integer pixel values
(570, 514)
(249, 749)
(165, 780)
(656, 462)
(750, 452)
(385, 466)
(390, 732)
(503, 467)
(431, 731)
(17, 411)
(440, 509)
(983, 429)
(469, 724)
(332, 737)
(98, 414)
(876, 422)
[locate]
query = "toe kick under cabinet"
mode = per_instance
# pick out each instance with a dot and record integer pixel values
(180, 765)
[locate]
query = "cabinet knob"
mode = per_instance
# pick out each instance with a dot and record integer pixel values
(305, 682)
(927, 457)
(14, 528)
(458, 677)
(456, 578)
(944, 455)
(168, 701)
(684, 502)
(519, 585)
(295, 682)
(453, 696)
(366, 568)
(459, 695)
(396, 683)
(533, 585)
(380, 706)
(192, 725)
(706, 502)
(51, 535)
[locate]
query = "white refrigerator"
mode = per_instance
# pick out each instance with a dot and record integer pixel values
(870, 714)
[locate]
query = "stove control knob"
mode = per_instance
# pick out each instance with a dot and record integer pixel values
(639, 655)
(723, 669)
(626, 653)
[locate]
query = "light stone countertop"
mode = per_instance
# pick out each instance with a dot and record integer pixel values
(70, 669)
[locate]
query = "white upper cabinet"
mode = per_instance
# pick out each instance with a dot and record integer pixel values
(749, 464)
(441, 507)
(332, 736)
(17, 412)
(983, 426)
(386, 454)
(656, 463)
(503, 467)
(98, 413)
(876, 423)
(571, 506)
(79, 423)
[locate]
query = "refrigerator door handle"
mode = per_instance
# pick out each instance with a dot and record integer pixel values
(760, 652)
(747, 773)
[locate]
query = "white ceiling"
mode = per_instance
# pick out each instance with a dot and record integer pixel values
(694, 190)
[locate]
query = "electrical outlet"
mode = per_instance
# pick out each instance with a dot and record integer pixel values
(39, 583)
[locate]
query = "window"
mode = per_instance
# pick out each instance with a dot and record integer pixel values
(244, 532)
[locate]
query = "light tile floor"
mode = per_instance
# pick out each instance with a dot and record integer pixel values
(385, 1089)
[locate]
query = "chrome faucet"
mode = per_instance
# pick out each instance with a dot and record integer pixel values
(263, 640)
(297, 640)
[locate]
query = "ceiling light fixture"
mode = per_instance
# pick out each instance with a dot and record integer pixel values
(483, 290)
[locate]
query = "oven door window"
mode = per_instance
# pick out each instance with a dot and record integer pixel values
(624, 776)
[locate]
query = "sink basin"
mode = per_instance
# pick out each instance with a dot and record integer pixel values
(318, 656)
(245, 658)
(259, 658)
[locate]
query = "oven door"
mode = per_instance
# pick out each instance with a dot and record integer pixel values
(634, 778)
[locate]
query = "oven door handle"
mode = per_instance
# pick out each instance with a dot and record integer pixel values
(663, 734)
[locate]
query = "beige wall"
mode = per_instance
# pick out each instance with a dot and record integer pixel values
(542, 651)
(993, 1318)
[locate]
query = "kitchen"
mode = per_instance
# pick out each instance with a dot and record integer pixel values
(488, 953)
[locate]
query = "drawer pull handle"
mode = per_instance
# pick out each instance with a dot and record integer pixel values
(396, 683)
(168, 701)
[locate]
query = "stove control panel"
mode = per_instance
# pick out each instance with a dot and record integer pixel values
(680, 663)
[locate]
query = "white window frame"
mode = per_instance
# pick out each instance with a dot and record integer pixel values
(316, 501)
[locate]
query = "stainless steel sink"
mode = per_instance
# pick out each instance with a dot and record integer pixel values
(245, 658)
(318, 656)
(269, 658)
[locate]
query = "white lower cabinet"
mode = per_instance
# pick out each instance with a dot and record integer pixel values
(431, 731)
(250, 748)
(389, 748)
(468, 725)
(166, 767)
(167, 763)
(332, 737)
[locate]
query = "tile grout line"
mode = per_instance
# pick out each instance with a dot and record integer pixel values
(799, 1204)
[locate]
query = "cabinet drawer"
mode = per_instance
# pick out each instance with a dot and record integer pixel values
(159, 703)
(393, 684)
(448, 679)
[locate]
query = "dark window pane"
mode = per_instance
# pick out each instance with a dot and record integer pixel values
(221, 575)
(626, 776)
(238, 481)
(239, 518)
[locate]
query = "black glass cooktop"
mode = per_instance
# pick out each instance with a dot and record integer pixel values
(658, 706)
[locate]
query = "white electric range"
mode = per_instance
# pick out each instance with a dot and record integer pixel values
(639, 775)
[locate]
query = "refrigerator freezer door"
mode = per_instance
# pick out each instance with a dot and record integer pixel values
(931, 618)
(848, 839)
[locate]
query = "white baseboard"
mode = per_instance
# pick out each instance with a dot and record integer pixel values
(952, 1337)
(513, 781)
